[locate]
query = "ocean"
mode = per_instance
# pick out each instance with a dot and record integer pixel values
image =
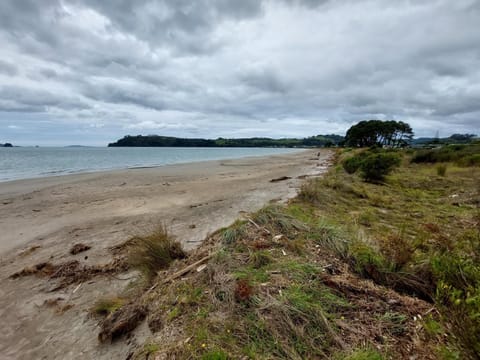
(32, 162)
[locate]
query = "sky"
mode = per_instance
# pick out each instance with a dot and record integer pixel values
(91, 71)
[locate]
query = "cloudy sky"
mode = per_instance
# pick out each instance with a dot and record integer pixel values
(91, 71)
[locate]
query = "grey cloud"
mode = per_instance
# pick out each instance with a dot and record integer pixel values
(307, 3)
(8, 68)
(48, 73)
(183, 26)
(211, 67)
(266, 79)
(15, 98)
(118, 94)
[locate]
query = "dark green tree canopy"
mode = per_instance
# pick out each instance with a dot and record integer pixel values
(379, 133)
(163, 141)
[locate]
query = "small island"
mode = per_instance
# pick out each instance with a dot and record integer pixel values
(6, 145)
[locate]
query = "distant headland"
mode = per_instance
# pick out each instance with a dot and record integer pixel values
(167, 141)
(6, 145)
(307, 142)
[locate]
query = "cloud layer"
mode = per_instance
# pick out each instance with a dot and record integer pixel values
(90, 71)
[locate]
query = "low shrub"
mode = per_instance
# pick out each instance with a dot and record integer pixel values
(375, 167)
(352, 164)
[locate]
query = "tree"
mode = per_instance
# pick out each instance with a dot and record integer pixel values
(369, 133)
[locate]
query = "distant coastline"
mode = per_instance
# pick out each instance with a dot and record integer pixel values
(258, 142)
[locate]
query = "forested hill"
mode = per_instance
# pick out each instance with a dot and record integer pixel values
(164, 141)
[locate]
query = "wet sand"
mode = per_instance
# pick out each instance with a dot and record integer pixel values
(104, 209)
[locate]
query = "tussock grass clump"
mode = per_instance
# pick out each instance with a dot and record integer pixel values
(277, 220)
(330, 236)
(260, 258)
(233, 233)
(441, 169)
(155, 251)
(309, 192)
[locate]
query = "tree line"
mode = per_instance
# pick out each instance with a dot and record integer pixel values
(169, 141)
(367, 133)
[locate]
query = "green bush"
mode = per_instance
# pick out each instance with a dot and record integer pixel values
(375, 167)
(352, 164)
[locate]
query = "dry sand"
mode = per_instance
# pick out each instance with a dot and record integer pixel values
(49, 215)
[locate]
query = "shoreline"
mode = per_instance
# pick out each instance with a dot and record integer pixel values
(31, 184)
(57, 173)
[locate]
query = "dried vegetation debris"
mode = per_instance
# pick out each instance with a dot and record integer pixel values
(72, 271)
(78, 248)
(40, 269)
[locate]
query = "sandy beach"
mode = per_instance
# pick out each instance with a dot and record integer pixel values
(40, 219)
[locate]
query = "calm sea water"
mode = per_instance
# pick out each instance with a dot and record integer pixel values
(30, 162)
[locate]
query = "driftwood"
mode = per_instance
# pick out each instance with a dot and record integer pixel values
(258, 226)
(181, 272)
(186, 269)
(282, 178)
